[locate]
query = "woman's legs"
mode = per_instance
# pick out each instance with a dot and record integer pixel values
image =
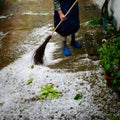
(73, 37)
(74, 42)
(66, 50)
(64, 40)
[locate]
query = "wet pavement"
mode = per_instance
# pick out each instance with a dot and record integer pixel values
(18, 19)
(24, 26)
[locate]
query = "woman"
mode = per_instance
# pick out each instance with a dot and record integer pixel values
(70, 23)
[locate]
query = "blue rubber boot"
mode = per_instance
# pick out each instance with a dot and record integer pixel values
(66, 51)
(75, 44)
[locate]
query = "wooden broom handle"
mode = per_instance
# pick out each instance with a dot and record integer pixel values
(65, 16)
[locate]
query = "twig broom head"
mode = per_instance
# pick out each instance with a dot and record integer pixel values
(39, 53)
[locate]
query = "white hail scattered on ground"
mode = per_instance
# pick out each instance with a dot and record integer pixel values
(20, 100)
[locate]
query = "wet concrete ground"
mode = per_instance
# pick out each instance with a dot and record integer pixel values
(16, 24)
(22, 17)
(23, 27)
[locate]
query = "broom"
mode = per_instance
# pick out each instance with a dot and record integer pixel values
(39, 53)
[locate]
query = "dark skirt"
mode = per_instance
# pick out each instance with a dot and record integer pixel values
(72, 23)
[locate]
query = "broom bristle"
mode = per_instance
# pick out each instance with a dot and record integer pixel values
(39, 53)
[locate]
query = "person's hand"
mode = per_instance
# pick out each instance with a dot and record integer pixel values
(61, 15)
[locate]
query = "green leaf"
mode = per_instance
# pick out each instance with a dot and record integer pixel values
(94, 21)
(1, 103)
(42, 96)
(78, 96)
(14, 0)
(21, 110)
(112, 117)
(118, 74)
(48, 91)
(114, 81)
(31, 67)
(30, 81)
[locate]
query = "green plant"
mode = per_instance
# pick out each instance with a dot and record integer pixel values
(48, 91)
(78, 96)
(95, 21)
(110, 60)
(1, 1)
(31, 67)
(22, 110)
(14, 0)
(110, 29)
(29, 81)
(110, 54)
(109, 24)
(1, 103)
(112, 117)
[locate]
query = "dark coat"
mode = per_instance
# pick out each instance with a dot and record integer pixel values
(72, 23)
